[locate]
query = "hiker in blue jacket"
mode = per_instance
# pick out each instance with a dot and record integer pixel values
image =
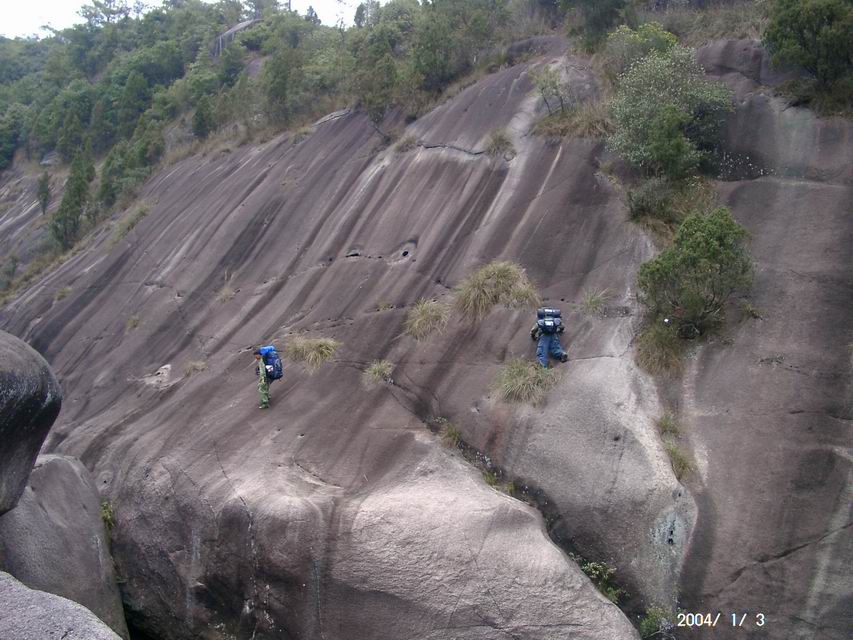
(547, 330)
(269, 368)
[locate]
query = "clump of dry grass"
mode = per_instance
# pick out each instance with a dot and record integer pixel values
(302, 133)
(194, 366)
(226, 293)
(62, 293)
(590, 119)
(378, 372)
(680, 464)
(659, 349)
(131, 323)
(524, 381)
(594, 300)
(425, 318)
(499, 143)
(450, 434)
(407, 143)
(128, 223)
(668, 425)
(496, 283)
(312, 352)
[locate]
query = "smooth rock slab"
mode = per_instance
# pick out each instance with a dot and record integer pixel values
(30, 398)
(27, 614)
(55, 540)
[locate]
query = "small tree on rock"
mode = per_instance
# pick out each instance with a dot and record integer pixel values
(43, 191)
(692, 280)
(202, 118)
(65, 225)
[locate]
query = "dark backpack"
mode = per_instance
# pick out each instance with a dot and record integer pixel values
(271, 359)
(548, 320)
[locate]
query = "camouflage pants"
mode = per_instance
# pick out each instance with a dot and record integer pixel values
(264, 392)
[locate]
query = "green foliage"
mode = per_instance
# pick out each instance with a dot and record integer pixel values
(523, 381)
(594, 300)
(425, 318)
(279, 83)
(590, 119)
(680, 463)
(131, 323)
(450, 434)
(375, 74)
(597, 17)
(66, 221)
(490, 478)
(601, 574)
(666, 114)
(128, 223)
(377, 372)
(311, 351)
(815, 34)
(499, 144)
(43, 191)
(8, 268)
(107, 516)
(750, 310)
(692, 280)
(133, 101)
(202, 118)
(496, 283)
(656, 623)
(549, 85)
(230, 64)
(62, 293)
(625, 46)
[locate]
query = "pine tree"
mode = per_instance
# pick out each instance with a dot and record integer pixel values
(44, 192)
(133, 101)
(65, 225)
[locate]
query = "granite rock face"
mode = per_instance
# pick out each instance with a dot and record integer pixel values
(30, 398)
(29, 614)
(55, 539)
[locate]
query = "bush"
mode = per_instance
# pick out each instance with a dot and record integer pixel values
(406, 144)
(666, 114)
(815, 34)
(499, 144)
(625, 46)
(194, 366)
(590, 119)
(496, 283)
(596, 17)
(379, 371)
(312, 352)
(656, 623)
(450, 435)
(593, 301)
(523, 381)
(659, 349)
(425, 318)
(692, 280)
(601, 574)
(226, 293)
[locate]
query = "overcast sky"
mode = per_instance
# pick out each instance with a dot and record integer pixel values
(25, 17)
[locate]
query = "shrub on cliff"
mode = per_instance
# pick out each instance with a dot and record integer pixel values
(666, 114)
(625, 45)
(497, 283)
(692, 280)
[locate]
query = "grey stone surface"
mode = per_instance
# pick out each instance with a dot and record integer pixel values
(29, 614)
(30, 398)
(55, 539)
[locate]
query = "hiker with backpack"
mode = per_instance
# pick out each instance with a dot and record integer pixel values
(547, 330)
(269, 368)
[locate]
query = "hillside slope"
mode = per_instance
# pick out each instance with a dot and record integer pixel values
(337, 514)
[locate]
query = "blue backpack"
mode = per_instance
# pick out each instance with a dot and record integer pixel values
(271, 359)
(548, 320)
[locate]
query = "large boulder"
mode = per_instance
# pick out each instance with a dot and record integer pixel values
(28, 614)
(30, 398)
(55, 539)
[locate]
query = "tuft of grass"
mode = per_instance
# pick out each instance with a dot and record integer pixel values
(131, 323)
(426, 317)
(194, 366)
(312, 352)
(62, 293)
(695, 26)
(226, 293)
(659, 349)
(407, 143)
(107, 516)
(490, 477)
(593, 301)
(450, 435)
(680, 464)
(667, 425)
(378, 372)
(656, 623)
(524, 381)
(590, 119)
(750, 310)
(499, 144)
(127, 224)
(496, 283)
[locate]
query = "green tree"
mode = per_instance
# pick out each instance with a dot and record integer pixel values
(667, 94)
(815, 34)
(598, 16)
(231, 64)
(133, 101)
(65, 224)
(432, 55)
(625, 45)
(202, 118)
(280, 83)
(691, 281)
(70, 137)
(43, 191)
(550, 86)
(375, 76)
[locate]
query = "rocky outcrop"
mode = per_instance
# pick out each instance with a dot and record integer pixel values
(30, 398)
(26, 614)
(55, 540)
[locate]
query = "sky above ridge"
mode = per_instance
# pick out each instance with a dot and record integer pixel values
(25, 18)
